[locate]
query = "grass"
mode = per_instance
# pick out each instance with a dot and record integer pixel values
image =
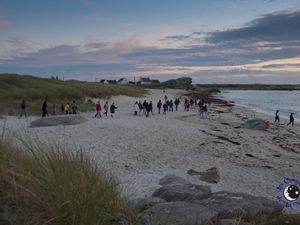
(14, 88)
(53, 186)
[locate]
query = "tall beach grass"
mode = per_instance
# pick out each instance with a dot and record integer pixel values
(48, 185)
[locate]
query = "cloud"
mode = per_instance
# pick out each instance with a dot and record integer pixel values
(282, 26)
(5, 24)
(268, 46)
(96, 45)
(178, 37)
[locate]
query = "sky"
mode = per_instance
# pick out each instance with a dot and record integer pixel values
(211, 41)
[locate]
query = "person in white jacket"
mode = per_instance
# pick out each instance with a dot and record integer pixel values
(136, 108)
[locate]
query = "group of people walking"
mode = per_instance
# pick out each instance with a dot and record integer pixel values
(277, 118)
(139, 108)
(65, 108)
(146, 108)
(106, 107)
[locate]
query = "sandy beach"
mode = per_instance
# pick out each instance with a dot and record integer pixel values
(139, 150)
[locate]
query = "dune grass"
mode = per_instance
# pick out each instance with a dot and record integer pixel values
(53, 186)
(14, 88)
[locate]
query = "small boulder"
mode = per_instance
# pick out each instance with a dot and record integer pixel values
(257, 124)
(211, 175)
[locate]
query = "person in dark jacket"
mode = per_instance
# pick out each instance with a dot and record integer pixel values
(147, 109)
(291, 120)
(151, 107)
(165, 108)
(176, 103)
(144, 107)
(113, 109)
(171, 105)
(45, 108)
(140, 108)
(276, 117)
(23, 109)
(74, 107)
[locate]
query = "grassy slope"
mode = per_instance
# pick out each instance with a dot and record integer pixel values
(14, 88)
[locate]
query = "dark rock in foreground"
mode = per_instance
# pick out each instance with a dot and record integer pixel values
(58, 120)
(189, 204)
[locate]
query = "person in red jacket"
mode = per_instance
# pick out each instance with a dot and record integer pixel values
(159, 104)
(98, 109)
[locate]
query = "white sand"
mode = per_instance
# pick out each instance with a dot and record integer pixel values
(139, 150)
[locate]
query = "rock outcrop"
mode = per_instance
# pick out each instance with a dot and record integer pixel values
(180, 83)
(183, 203)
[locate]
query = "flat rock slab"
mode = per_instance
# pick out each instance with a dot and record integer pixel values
(58, 120)
(257, 124)
(182, 192)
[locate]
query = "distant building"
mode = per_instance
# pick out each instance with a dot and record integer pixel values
(155, 82)
(112, 81)
(123, 81)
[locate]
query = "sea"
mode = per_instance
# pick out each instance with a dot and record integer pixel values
(266, 101)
